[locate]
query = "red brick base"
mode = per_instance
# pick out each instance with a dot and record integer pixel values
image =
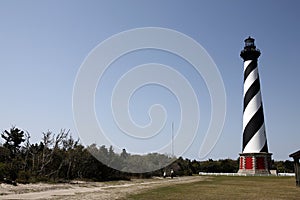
(255, 163)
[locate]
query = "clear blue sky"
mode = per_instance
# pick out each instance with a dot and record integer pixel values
(43, 44)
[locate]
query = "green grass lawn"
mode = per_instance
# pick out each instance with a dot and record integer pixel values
(226, 187)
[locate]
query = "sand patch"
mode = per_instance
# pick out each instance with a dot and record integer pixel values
(88, 190)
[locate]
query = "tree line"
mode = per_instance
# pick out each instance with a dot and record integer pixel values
(60, 158)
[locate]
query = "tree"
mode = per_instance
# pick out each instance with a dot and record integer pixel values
(13, 139)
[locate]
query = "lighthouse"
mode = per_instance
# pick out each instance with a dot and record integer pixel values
(255, 157)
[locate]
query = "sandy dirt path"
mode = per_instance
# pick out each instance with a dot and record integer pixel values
(90, 190)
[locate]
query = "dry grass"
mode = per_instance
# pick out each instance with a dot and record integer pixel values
(192, 187)
(224, 187)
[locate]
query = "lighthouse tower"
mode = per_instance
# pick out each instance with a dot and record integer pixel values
(255, 158)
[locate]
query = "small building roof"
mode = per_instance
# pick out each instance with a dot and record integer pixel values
(296, 154)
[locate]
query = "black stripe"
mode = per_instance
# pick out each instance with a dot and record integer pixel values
(250, 68)
(251, 92)
(265, 148)
(253, 126)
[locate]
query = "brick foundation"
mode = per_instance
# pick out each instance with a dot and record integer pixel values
(255, 163)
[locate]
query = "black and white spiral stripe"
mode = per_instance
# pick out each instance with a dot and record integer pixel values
(254, 136)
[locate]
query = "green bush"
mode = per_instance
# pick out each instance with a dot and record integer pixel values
(3, 171)
(24, 177)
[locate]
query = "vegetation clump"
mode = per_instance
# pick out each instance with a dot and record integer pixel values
(60, 158)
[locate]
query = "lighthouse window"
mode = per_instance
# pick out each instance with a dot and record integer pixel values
(249, 43)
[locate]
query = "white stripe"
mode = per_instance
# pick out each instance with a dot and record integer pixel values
(251, 109)
(246, 63)
(257, 142)
(250, 79)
